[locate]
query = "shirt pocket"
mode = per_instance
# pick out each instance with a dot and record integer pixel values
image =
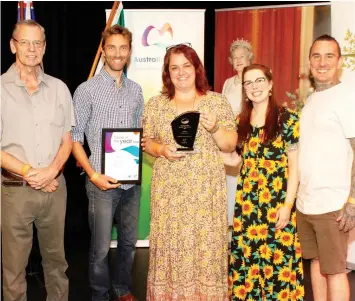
(57, 122)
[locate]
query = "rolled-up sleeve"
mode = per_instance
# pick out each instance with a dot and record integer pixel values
(82, 111)
(140, 107)
(149, 118)
(69, 111)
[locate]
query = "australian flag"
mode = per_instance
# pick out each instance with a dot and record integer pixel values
(25, 11)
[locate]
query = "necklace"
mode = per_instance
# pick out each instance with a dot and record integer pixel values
(193, 104)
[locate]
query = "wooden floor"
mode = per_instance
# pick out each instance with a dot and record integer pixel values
(77, 245)
(77, 256)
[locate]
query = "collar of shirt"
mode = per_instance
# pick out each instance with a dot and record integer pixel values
(107, 77)
(237, 81)
(12, 76)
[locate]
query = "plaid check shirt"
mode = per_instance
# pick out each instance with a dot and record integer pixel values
(98, 104)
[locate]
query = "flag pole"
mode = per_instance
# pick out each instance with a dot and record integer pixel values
(21, 11)
(108, 24)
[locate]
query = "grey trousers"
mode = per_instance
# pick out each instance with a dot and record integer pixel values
(20, 207)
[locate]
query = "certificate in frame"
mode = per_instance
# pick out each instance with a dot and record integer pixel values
(121, 156)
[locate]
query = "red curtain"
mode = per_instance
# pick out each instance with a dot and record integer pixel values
(274, 34)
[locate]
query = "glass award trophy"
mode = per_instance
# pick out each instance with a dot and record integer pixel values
(184, 129)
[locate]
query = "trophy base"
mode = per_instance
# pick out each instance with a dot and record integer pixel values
(185, 150)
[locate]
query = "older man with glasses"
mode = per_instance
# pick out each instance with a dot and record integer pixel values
(36, 120)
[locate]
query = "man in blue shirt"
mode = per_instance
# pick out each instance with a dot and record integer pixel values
(109, 100)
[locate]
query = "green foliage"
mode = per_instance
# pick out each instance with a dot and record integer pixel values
(295, 101)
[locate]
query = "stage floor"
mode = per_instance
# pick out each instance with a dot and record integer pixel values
(77, 238)
(77, 256)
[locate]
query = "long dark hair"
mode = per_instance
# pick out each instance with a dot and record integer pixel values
(272, 126)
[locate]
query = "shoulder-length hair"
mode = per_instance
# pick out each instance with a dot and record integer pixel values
(272, 127)
(201, 82)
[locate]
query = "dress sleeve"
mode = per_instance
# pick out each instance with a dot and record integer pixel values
(149, 118)
(224, 113)
(290, 126)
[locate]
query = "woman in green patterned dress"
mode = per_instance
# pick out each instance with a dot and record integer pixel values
(265, 262)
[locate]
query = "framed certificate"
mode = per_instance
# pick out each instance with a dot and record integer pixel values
(122, 154)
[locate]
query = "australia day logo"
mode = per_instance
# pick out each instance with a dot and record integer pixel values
(154, 42)
(159, 37)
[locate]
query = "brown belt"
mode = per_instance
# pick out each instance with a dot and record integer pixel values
(10, 179)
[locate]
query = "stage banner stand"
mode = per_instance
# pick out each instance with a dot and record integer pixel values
(153, 31)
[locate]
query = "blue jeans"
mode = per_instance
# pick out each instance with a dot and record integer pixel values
(123, 205)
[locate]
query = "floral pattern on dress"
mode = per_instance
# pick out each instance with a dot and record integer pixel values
(265, 263)
(188, 252)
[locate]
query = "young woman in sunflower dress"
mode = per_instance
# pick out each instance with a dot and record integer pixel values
(265, 262)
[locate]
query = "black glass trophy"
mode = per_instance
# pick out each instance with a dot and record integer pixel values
(184, 129)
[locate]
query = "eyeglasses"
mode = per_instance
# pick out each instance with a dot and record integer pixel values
(249, 84)
(177, 45)
(26, 43)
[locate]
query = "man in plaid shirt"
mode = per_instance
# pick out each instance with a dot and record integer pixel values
(109, 100)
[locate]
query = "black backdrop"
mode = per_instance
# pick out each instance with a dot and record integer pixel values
(73, 31)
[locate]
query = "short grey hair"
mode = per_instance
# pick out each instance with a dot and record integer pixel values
(240, 43)
(28, 23)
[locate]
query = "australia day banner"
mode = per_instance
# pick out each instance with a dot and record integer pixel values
(153, 31)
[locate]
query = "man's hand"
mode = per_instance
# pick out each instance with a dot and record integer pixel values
(144, 141)
(41, 177)
(104, 182)
(51, 187)
(346, 218)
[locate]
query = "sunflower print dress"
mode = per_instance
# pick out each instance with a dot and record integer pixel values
(265, 263)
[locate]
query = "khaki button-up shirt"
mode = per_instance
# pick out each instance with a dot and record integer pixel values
(32, 126)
